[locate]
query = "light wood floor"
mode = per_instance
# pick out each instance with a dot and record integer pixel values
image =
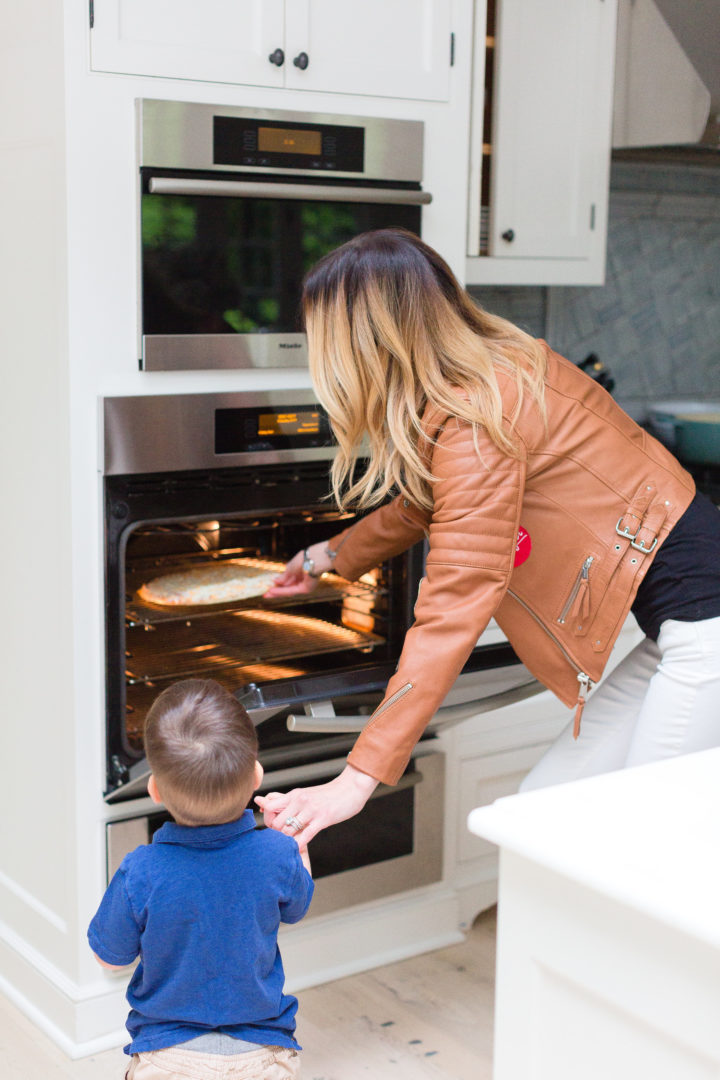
(427, 1017)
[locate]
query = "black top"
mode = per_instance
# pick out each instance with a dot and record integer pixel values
(683, 581)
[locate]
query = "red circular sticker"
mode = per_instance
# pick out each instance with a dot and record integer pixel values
(523, 546)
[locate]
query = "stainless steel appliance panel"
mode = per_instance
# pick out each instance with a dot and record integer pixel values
(179, 134)
(172, 432)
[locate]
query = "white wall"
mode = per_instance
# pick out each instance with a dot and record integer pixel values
(37, 853)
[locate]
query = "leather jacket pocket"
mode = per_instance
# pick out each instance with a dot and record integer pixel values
(575, 612)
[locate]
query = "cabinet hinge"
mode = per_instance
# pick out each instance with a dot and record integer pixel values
(592, 216)
(452, 50)
(91, 12)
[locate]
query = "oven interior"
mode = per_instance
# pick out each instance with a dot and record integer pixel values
(342, 640)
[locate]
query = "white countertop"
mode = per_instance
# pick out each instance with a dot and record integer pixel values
(648, 837)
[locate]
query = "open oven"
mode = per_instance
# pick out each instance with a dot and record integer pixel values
(197, 479)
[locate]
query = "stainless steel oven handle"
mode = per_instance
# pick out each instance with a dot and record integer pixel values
(253, 189)
(445, 717)
(341, 724)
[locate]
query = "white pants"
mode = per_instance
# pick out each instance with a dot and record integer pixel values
(662, 700)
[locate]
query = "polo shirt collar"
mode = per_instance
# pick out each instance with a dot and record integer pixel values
(204, 835)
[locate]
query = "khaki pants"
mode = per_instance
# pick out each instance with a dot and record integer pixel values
(174, 1063)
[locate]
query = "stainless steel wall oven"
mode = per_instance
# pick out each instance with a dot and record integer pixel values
(197, 479)
(236, 205)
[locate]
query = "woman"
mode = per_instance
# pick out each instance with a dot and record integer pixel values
(488, 436)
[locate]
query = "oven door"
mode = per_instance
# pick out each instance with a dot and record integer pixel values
(223, 260)
(475, 691)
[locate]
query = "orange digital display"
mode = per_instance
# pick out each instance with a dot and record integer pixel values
(289, 423)
(289, 141)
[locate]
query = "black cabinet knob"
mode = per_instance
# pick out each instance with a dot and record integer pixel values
(508, 235)
(277, 57)
(301, 60)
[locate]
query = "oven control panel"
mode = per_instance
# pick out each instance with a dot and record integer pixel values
(184, 135)
(242, 431)
(243, 140)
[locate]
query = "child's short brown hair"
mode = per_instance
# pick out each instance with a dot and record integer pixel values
(202, 748)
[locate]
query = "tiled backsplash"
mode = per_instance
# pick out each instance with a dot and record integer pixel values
(656, 322)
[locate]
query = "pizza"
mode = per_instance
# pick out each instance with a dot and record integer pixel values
(216, 583)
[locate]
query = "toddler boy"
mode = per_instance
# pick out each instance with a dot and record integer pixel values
(201, 905)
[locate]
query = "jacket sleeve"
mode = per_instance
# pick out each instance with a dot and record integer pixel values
(473, 533)
(387, 531)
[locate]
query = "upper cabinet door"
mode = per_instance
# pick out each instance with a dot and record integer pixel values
(551, 127)
(389, 48)
(212, 40)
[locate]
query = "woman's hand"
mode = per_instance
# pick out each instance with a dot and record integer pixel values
(314, 808)
(294, 581)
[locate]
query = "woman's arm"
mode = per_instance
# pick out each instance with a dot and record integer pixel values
(387, 531)
(473, 533)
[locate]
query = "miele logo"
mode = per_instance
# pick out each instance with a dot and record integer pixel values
(289, 345)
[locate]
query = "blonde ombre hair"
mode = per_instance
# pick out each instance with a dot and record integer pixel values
(391, 332)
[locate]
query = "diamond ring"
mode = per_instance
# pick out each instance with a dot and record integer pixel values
(294, 823)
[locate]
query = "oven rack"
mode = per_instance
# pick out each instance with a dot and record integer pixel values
(140, 696)
(331, 588)
(237, 639)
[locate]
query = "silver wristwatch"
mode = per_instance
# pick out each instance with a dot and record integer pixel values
(309, 565)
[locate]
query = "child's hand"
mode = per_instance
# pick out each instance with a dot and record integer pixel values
(305, 856)
(110, 967)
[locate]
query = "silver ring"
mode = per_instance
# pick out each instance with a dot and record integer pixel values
(295, 823)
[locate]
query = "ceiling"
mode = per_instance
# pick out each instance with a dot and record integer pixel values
(696, 25)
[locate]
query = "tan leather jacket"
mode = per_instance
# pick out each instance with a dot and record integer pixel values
(597, 495)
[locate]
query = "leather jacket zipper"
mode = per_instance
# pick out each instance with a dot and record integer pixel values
(581, 590)
(390, 701)
(584, 680)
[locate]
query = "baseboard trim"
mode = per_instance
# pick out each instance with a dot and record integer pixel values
(396, 929)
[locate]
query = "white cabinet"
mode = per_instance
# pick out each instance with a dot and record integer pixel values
(487, 758)
(608, 942)
(547, 134)
(390, 48)
(214, 40)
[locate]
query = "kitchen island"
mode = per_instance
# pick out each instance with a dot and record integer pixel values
(609, 925)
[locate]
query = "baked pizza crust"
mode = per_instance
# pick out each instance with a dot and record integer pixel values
(218, 583)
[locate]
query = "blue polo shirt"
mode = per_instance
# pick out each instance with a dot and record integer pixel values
(202, 906)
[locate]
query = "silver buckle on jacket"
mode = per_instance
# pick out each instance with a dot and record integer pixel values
(625, 531)
(641, 545)
(632, 537)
